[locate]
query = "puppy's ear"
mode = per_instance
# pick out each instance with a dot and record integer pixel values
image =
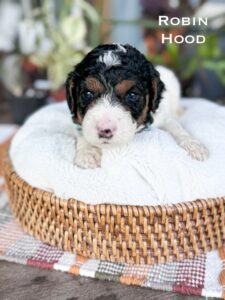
(71, 95)
(156, 87)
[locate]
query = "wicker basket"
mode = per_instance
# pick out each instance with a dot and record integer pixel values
(118, 233)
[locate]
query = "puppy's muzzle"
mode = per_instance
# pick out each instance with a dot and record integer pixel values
(106, 129)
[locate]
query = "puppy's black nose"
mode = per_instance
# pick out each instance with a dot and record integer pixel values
(105, 133)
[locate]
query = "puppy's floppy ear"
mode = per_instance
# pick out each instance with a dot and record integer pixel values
(156, 87)
(71, 94)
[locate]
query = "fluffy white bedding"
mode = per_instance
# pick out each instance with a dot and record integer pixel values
(151, 170)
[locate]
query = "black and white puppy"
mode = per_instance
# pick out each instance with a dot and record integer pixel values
(113, 93)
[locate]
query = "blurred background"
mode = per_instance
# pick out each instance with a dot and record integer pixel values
(41, 40)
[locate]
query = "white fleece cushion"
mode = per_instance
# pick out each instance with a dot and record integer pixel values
(151, 170)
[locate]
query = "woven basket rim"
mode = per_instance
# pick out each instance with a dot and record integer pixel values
(113, 232)
(186, 206)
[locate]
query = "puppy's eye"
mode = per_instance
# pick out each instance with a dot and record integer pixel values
(131, 97)
(87, 96)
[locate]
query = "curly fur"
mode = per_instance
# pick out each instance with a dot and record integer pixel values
(133, 65)
(113, 93)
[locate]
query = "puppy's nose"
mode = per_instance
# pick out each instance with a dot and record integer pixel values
(106, 129)
(106, 133)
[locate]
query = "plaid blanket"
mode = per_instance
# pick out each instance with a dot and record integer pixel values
(203, 275)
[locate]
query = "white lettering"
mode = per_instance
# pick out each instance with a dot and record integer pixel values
(175, 21)
(189, 39)
(203, 21)
(200, 39)
(186, 21)
(166, 38)
(179, 39)
(163, 19)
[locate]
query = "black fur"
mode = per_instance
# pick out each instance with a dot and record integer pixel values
(134, 66)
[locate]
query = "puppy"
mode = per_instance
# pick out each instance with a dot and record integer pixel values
(113, 93)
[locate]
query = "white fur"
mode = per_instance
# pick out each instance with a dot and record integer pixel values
(89, 144)
(116, 113)
(109, 58)
(87, 156)
(170, 103)
(164, 118)
(121, 48)
(169, 110)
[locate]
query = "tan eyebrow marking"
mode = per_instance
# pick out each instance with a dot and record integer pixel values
(94, 85)
(124, 86)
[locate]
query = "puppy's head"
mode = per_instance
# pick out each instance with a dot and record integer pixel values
(112, 93)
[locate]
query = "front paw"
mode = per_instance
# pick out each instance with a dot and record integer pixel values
(195, 149)
(88, 158)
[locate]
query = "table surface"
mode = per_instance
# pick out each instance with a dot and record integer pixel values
(19, 282)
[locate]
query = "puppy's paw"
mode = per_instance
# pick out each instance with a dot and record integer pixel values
(88, 157)
(195, 149)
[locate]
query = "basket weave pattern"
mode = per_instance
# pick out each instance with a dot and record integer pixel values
(118, 233)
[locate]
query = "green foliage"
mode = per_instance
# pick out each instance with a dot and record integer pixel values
(66, 35)
(207, 55)
(218, 68)
(196, 56)
(212, 57)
